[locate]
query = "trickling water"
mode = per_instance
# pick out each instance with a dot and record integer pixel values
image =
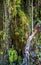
(27, 47)
(32, 16)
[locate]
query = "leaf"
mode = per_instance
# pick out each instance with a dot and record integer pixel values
(1, 52)
(1, 32)
(4, 36)
(12, 55)
(16, 33)
(19, 59)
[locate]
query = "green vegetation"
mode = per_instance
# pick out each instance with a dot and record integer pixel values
(15, 28)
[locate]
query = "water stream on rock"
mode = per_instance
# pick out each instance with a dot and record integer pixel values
(27, 49)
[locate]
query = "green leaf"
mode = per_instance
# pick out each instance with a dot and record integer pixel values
(4, 36)
(12, 55)
(1, 52)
